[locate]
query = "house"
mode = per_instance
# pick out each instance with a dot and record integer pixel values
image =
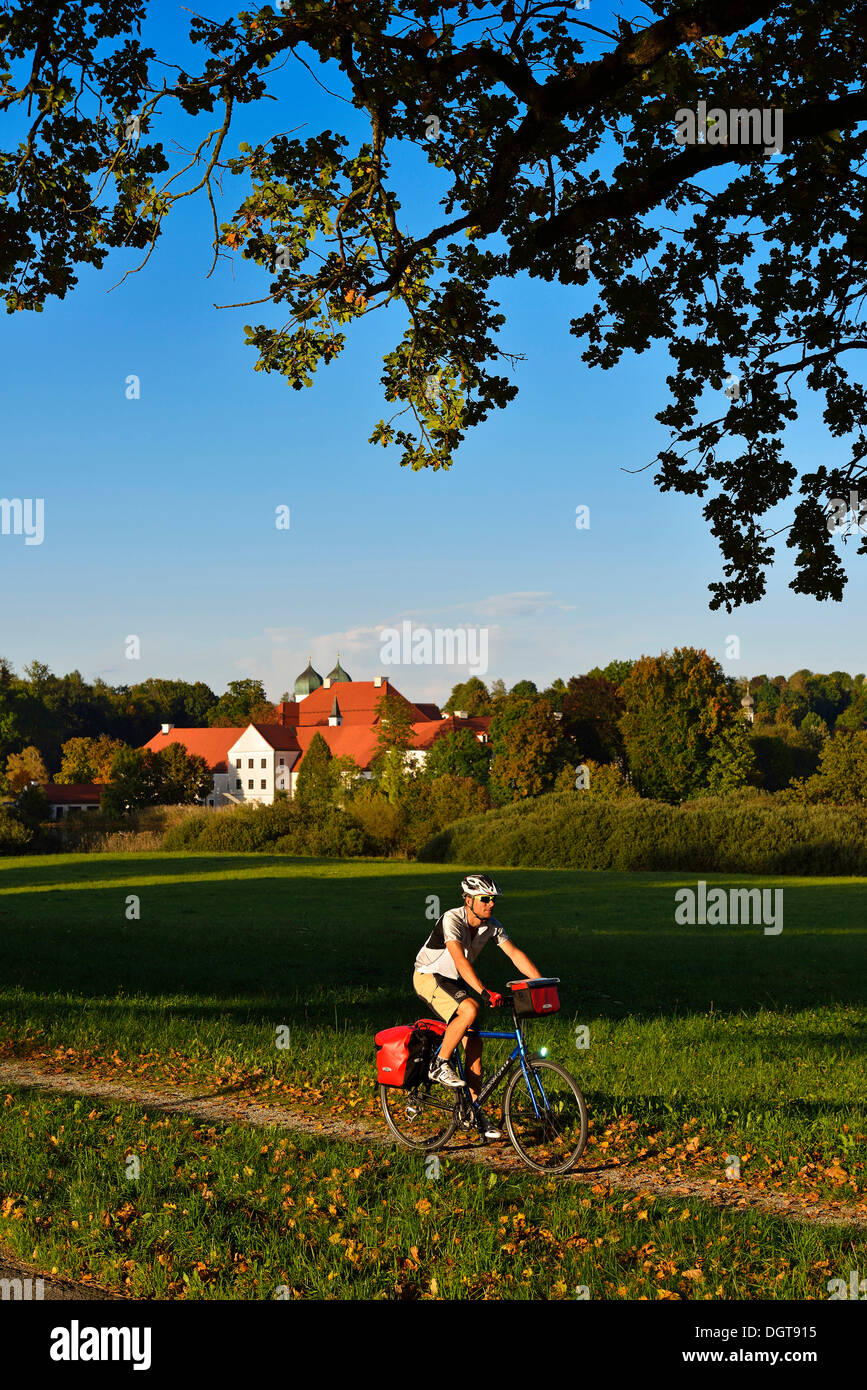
(252, 764)
(74, 796)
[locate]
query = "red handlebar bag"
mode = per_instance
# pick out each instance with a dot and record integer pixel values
(536, 997)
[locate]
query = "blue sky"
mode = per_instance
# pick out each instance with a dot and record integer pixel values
(159, 512)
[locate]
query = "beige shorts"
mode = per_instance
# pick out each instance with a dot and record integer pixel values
(443, 995)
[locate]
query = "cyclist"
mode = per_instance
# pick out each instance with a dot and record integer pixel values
(444, 978)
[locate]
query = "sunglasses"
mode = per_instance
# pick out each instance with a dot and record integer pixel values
(487, 900)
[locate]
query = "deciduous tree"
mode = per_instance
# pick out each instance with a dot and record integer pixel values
(592, 710)
(25, 767)
(88, 759)
(529, 751)
(683, 729)
(457, 754)
(553, 141)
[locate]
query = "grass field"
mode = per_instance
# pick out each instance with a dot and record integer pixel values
(704, 1042)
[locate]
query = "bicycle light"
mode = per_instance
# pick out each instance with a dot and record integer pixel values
(543, 1052)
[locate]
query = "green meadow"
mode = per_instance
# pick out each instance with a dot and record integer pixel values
(694, 1046)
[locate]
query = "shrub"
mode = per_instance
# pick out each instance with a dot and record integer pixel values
(379, 820)
(283, 828)
(15, 838)
(747, 833)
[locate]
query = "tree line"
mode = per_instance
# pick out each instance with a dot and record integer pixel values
(670, 727)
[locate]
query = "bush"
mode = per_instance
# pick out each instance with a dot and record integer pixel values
(734, 834)
(283, 828)
(431, 806)
(15, 838)
(334, 837)
(241, 830)
(377, 819)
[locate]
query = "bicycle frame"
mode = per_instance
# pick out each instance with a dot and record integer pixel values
(519, 1053)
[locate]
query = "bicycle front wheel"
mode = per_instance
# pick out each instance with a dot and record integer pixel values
(548, 1124)
(423, 1118)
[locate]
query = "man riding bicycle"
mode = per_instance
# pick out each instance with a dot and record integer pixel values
(445, 979)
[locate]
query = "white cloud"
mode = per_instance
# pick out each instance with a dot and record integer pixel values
(528, 603)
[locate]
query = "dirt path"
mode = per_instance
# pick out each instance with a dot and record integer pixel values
(20, 1282)
(602, 1178)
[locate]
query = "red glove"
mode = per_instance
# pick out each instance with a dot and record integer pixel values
(493, 1001)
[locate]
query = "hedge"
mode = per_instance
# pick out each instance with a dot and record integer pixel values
(572, 830)
(282, 828)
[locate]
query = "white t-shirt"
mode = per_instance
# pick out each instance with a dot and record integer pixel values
(434, 958)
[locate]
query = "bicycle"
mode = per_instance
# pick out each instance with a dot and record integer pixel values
(546, 1120)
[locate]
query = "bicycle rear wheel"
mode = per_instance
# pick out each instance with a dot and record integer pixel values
(550, 1134)
(424, 1117)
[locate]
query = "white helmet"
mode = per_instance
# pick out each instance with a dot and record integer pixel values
(475, 884)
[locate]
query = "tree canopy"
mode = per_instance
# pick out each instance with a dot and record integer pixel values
(458, 754)
(683, 731)
(558, 150)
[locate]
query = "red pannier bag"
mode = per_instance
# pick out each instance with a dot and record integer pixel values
(535, 997)
(403, 1054)
(392, 1054)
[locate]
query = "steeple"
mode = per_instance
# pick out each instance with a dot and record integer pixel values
(335, 718)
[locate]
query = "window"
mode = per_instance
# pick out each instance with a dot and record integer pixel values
(264, 785)
(250, 784)
(264, 762)
(282, 760)
(237, 784)
(249, 762)
(237, 762)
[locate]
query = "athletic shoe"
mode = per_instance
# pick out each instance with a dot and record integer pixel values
(489, 1129)
(446, 1075)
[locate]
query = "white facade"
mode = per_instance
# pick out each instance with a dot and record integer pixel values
(255, 770)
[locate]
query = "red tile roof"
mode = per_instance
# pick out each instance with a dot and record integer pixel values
(426, 733)
(358, 701)
(429, 711)
(211, 744)
(278, 736)
(72, 793)
(356, 741)
(287, 711)
(355, 737)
